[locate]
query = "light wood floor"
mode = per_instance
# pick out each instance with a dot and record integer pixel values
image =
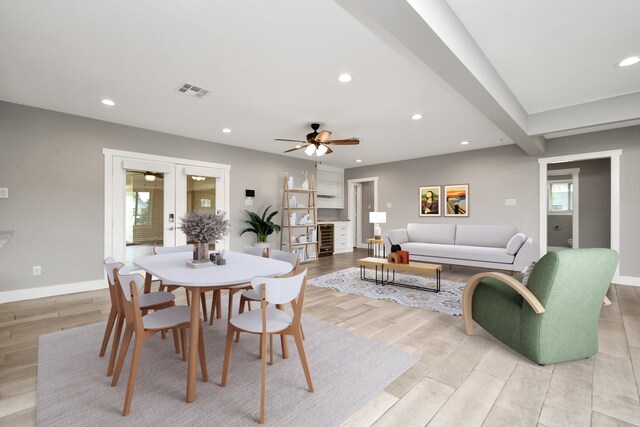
(458, 381)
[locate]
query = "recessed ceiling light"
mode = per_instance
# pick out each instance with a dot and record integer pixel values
(629, 61)
(465, 143)
(359, 161)
(344, 78)
(108, 102)
(226, 130)
(416, 117)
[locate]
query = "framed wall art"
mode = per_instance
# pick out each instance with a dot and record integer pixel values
(456, 200)
(430, 204)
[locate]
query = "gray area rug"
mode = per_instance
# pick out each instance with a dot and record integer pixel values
(447, 301)
(347, 369)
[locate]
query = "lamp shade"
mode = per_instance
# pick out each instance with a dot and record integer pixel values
(377, 217)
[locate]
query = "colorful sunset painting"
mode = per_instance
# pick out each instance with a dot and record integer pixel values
(456, 200)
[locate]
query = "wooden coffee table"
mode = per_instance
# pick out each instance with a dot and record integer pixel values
(420, 268)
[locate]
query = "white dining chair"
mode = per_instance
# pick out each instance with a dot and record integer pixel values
(150, 301)
(158, 250)
(144, 327)
(216, 304)
(270, 320)
(252, 295)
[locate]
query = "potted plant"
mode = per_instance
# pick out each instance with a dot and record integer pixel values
(205, 227)
(261, 226)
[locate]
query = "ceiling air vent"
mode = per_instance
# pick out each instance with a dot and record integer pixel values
(193, 90)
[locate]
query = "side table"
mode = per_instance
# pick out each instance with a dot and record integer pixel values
(376, 249)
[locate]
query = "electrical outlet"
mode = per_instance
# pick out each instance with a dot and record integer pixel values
(4, 193)
(388, 204)
(37, 270)
(509, 202)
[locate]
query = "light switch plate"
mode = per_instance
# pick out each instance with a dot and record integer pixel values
(4, 193)
(388, 204)
(509, 202)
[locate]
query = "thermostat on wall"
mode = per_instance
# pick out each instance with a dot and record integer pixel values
(4, 193)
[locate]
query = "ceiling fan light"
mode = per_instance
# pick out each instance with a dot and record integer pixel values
(322, 150)
(310, 149)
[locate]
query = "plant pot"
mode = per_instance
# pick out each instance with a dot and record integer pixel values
(264, 245)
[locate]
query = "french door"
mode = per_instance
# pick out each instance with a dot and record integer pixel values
(145, 196)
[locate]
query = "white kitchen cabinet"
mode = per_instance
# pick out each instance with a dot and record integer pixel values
(342, 237)
(330, 187)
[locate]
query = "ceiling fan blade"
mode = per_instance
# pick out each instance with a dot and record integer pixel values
(298, 148)
(290, 140)
(350, 141)
(323, 135)
(329, 151)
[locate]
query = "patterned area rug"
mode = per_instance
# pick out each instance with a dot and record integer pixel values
(447, 301)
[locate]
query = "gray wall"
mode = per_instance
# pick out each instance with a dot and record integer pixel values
(493, 175)
(559, 230)
(54, 168)
(507, 172)
(594, 191)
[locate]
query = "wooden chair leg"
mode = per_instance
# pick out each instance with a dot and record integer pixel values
(115, 343)
(176, 344)
(219, 305)
(107, 332)
(201, 355)
(214, 305)
(303, 358)
(228, 349)
(243, 301)
(123, 353)
(263, 387)
(186, 291)
(183, 341)
(203, 303)
(270, 349)
(133, 372)
(284, 343)
(302, 332)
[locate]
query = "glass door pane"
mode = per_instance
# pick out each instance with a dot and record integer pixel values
(201, 196)
(144, 214)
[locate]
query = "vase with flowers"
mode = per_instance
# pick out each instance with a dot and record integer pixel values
(204, 227)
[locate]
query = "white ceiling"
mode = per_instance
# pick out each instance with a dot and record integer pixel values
(554, 54)
(272, 69)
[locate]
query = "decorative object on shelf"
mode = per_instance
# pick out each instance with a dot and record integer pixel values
(456, 199)
(204, 227)
(261, 225)
(377, 218)
(292, 201)
(430, 201)
(305, 184)
(289, 179)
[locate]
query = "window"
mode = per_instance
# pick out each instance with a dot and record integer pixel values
(560, 197)
(139, 204)
(205, 203)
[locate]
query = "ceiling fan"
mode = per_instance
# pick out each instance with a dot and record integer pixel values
(317, 142)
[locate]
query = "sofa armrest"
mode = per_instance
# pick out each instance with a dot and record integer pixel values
(521, 259)
(470, 288)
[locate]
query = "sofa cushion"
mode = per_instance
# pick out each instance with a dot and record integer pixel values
(398, 237)
(432, 233)
(469, 253)
(516, 243)
(495, 236)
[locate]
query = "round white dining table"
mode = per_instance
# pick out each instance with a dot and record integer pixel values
(239, 269)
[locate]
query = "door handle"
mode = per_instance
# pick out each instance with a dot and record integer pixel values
(170, 228)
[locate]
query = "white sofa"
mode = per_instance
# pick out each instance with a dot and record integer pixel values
(488, 246)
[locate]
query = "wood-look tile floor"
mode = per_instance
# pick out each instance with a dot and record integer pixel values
(459, 380)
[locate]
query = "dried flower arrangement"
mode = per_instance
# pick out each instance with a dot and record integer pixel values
(204, 227)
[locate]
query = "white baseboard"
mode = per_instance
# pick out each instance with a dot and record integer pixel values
(626, 280)
(49, 291)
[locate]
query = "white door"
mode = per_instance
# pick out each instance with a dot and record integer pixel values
(357, 230)
(146, 198)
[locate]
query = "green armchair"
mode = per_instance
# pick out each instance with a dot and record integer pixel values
(555, 318)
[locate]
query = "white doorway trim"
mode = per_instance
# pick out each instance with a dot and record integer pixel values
(614, 155)
(109, 155)
(575, 201)
(351, 204)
